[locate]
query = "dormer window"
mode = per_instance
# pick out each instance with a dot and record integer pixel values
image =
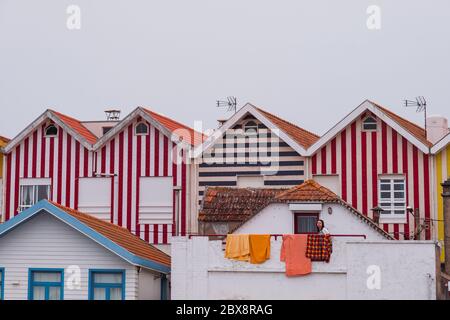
(141, 129)
(369, 124)
(251, 128)
(51, 131)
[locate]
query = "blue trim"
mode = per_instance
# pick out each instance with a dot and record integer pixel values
(164, 287)
(106, 286)
(46, 285)
(2, 284)
(81, 227)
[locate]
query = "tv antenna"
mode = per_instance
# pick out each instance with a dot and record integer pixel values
(421, 106)
(230, 103)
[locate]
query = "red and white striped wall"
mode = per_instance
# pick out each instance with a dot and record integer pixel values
(127, 156)
(131, 156)
(359, 157)
(62, 159)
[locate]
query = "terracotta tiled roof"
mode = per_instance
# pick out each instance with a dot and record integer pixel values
(240, 205)
(414, 129)
(310, 190)
(120, 236)
(188, 134)
(77, 126)
(234, 204)
(301, 136)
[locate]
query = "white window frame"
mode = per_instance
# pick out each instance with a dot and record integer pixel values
(251, 127)
(33, 182)
(364, 123)
(389, 204)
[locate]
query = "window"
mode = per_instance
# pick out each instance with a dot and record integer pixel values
(251, 127)
(156, 197)
(32, 191)
(392, 197)
(141, 129)
(305, 222)
(369, 124)
(95, 197)
(46, 284)
(106, 284)
(2, 283)
(51, 131)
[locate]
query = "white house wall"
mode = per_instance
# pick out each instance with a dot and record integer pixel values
(200, 271)
(45, 242)
(278, 219)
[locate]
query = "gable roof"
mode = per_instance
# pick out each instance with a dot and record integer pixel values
(411, 131)
(77, 126)
(234, 204)
(71, 125)
(297, 138)
(179, 133)
(114, 238)
(303, 137)
(419, 132)
(188, 134)
(241, 205)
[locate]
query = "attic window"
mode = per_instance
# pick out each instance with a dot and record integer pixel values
(251, 127)
(51, 131)
(141, 129)
(369, 124)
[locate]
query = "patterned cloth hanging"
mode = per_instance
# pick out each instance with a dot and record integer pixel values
(319, 247)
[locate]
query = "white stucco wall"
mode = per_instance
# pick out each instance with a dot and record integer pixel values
(278, 219)
(46, 242)
(200, 271)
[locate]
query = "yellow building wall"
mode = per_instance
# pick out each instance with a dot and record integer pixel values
(442, 174)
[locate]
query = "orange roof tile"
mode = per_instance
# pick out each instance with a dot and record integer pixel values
(188, 134)
(77, 126)
(120, 236)
(414, 129)
(310, 190)
(301, 136)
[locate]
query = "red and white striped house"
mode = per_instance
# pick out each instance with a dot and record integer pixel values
(135, 175)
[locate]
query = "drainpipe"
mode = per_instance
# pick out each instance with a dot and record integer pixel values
(446, 196)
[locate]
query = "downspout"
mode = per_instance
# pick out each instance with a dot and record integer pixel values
(163, 287)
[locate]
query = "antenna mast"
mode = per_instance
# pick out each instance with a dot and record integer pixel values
(231, 103)
(421, 106)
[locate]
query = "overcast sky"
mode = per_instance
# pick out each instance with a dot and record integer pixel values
(310, 62)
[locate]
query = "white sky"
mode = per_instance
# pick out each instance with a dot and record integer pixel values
(310, 62)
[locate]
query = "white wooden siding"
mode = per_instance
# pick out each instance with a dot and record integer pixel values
(46, 242)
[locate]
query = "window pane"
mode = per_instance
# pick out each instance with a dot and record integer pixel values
(399, 187)
(386, 212)
(115, 293)
(306, 224)
(38, 293)
(399, 212)
(54, 293)
(385, 187)
(399, 181)
(385, 181)
(385, 195)
(27, 195)
(399, 195)
(99, 294)
(47, 276)
(370, 126)
(115, 278)
(399, 204)
(42, 193)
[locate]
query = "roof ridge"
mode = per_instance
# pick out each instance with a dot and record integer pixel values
(286, 121)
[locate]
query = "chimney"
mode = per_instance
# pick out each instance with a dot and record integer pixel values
(437, 127)
(446, 196)
(112, 115)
